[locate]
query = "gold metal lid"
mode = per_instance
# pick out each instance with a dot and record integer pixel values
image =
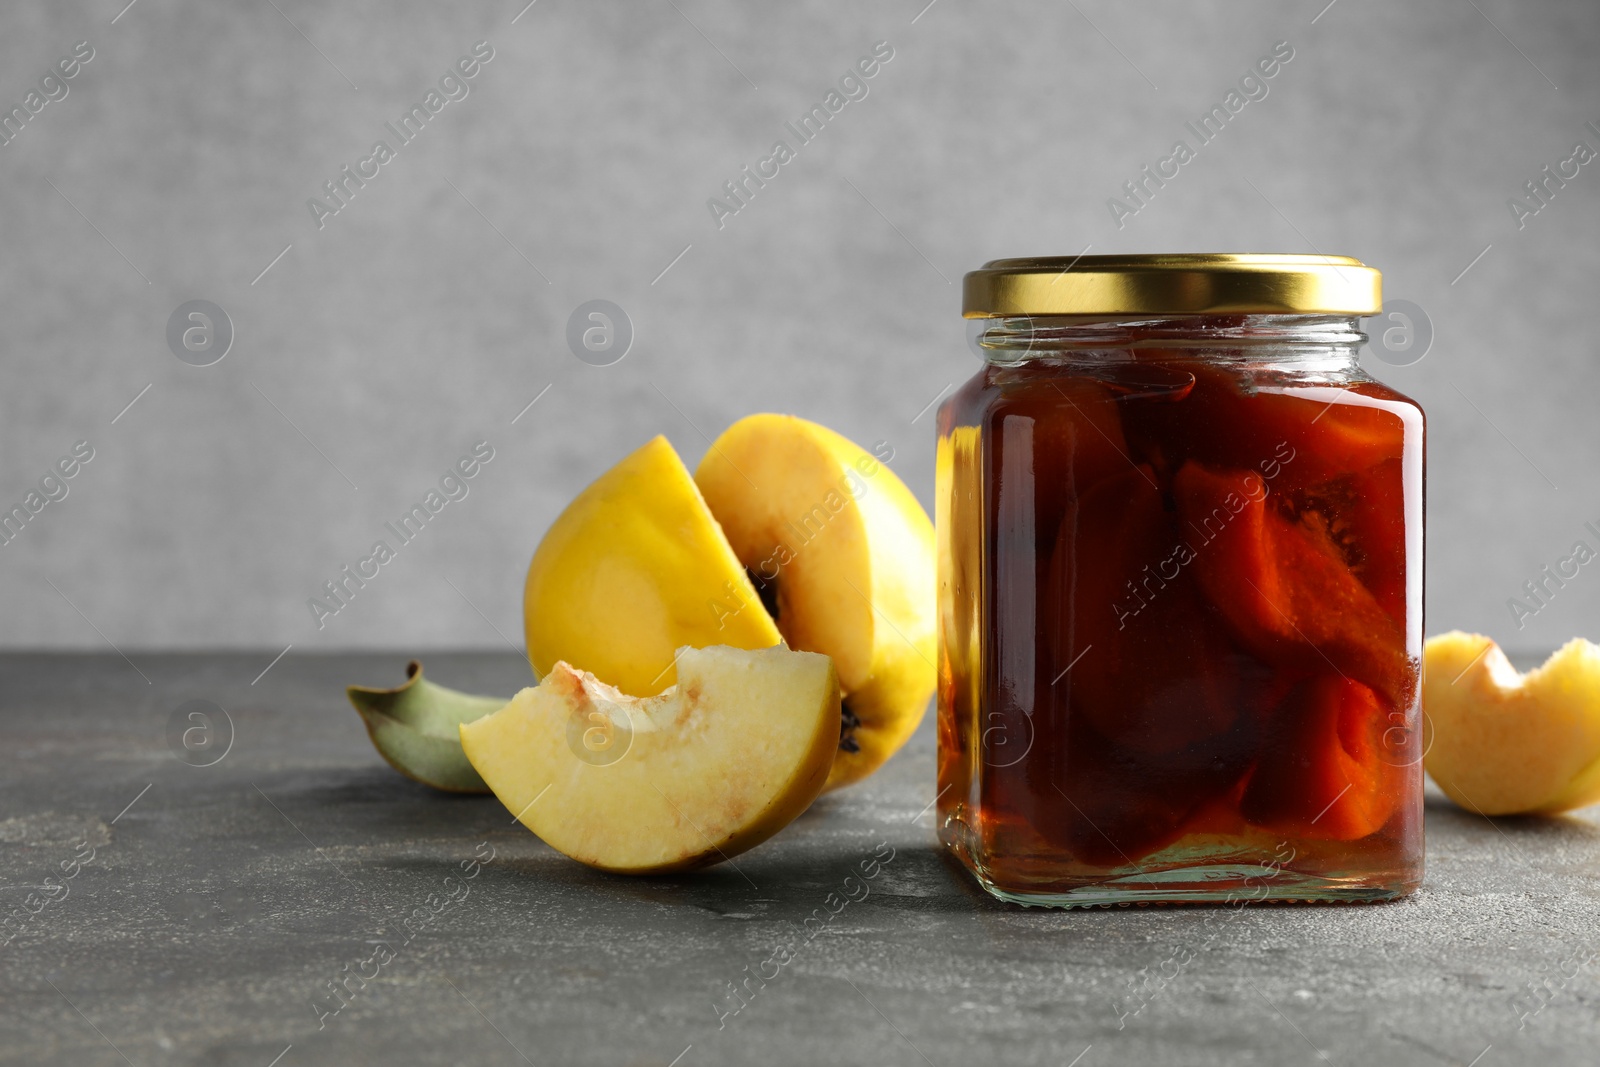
(1185, 284)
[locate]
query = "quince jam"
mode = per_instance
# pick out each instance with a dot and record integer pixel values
(1180, 615)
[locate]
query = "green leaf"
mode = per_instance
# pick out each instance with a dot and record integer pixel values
(416, 728)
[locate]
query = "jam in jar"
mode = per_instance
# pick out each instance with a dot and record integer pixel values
(1180, 586)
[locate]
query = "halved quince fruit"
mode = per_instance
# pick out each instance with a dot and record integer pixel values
(632, 569)
(1504, 742)
(845, 558)
(707, 769)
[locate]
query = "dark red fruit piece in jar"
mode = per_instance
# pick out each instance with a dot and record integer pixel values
(1062, 436)
(1321, 773)
(1283, 587)
(1311, 434)
(1374, 533)
(1149, 667)
(1117, 806)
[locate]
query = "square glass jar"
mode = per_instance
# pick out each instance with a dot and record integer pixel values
(1180, 587)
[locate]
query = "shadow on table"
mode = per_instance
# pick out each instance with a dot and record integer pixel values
(915, 878)
(1568, 829)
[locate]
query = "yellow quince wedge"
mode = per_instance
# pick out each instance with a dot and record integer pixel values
(634, 568)
(644, 785)
(844, 556)
(1507, 743)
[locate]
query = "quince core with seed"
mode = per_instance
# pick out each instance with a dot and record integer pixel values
(843, 554)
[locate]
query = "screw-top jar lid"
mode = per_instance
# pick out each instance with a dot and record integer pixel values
(1183, 284)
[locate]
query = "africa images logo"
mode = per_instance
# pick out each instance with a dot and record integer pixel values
(454, 84)
(807, 128)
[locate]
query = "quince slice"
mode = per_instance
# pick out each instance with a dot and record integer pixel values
(844, 554)
(1508, 743)
(1282, 586)
(1321, 774)
(415, 727)
(632, 569)
(709, 768)
(1315, 433)
(1161, 676)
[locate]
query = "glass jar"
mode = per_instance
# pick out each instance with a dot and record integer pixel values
(1180, 587)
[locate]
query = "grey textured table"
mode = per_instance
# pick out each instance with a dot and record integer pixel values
(211, 916)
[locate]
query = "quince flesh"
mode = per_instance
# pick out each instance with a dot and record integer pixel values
(844, 555)
(707, 769)
(1507, 743)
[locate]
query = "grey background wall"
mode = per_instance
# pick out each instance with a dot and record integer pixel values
(429, 311)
